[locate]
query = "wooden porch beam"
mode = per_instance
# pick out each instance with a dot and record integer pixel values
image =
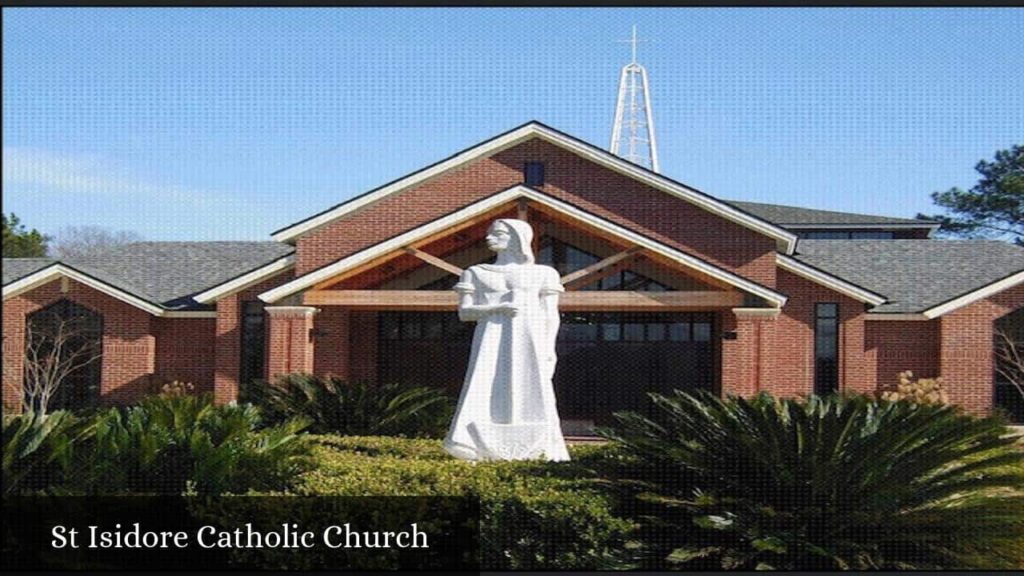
(582, 277)
(434, 260)
(595, 301)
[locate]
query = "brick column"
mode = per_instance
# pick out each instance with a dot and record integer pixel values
(13, 360)
(965, 359)
(227, 351)
(290, 339)
(744, 358)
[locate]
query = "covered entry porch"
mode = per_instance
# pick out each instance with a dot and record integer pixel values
(636, 317)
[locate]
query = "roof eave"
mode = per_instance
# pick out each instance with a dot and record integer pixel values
(785, 239)
(829, 280)
(59, 269)
(494, 201)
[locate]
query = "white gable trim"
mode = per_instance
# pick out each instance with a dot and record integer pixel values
(246, 280)
(491, 202)
(975, 295)
(785, 239)
(58, 270)
(898, 226)
(190, 314)
(895, 317)
(828, 280)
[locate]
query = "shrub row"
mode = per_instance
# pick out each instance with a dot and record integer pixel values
(164, 445)
(533, 515)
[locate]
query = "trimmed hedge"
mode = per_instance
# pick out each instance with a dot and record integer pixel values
(533, 515)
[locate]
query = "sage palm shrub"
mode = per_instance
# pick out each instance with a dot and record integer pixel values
(37, 450)
(185, 443)
(359, 408)
(823, 483)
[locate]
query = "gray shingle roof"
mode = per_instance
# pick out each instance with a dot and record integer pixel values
(170, 273)
(914, 275)
(796, 216)
(14, 268)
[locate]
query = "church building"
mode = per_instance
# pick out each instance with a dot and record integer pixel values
(666, 287)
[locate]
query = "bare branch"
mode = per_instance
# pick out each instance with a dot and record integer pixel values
(54, 350)
(1009, 356)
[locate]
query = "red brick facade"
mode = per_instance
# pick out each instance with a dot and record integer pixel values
(128, 342)
(754, 351)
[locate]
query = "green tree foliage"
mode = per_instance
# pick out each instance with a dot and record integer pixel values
(823, 484)
(994, 207)
(19, 242)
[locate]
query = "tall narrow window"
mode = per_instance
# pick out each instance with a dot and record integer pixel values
(253, 341)
(533, 174)
(826, 347)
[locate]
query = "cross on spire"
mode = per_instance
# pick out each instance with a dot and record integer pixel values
(633, 129)
(633, 42)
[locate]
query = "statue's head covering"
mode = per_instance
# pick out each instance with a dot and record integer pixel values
(521, 245)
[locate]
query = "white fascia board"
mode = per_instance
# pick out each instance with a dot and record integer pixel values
(485, 149)
(860, 226)
(55, 271)
(189, 314)
(979, 294)
(246, 280)
(785, 239)
(775, 298)
(909, 317)
(491, 202)
(829, 281)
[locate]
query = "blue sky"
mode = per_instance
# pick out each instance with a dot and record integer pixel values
(230, 123)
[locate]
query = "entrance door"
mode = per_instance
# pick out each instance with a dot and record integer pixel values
(606, 361)
(610, 362)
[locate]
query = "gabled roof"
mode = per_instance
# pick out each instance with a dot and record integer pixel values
(502, 198)
(797, 217)
(165, 275)
(786, 240)
(919, 276)
(14, 268)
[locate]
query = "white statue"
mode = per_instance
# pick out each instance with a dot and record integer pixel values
(507, 407)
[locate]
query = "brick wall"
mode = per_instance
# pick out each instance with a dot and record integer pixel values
(789, 358)
(185, 351)
(331, 342)
(896, 346)
(965, 348)
(128, 343)
(289, 340)
(568, 177)
(228, 337)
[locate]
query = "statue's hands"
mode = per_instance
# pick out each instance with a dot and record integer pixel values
(506, 309)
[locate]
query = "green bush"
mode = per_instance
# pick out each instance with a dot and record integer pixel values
(38, 450)
(178, 444)
(533, 515)
(354, 408)
(826, 483)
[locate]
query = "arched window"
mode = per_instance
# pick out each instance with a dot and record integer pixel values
(63, 349)
(1009, 364)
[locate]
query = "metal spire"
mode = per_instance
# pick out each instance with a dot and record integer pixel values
(634, 122)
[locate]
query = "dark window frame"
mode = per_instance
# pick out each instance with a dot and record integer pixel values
(533, 173)
(252, 357)
(826, 368)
